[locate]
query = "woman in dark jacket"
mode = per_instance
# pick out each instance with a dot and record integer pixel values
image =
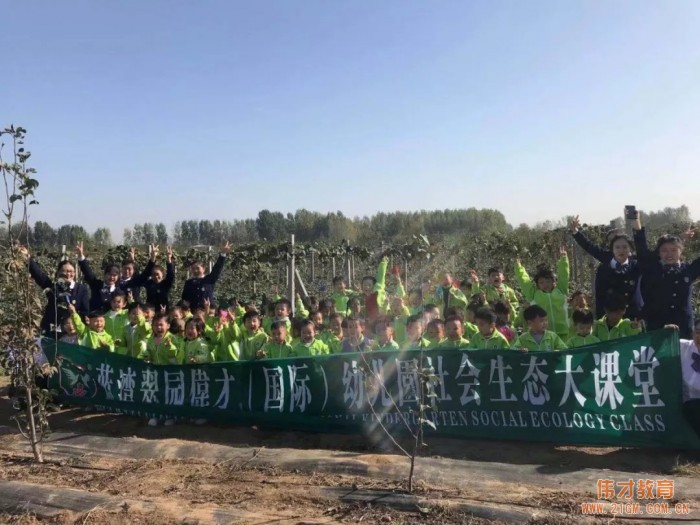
(618, 272)
(60, 292)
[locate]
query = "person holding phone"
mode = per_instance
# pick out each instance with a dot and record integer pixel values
(62, 291)
(618, 272)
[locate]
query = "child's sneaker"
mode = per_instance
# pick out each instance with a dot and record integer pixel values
(169, 422)
(153, 422)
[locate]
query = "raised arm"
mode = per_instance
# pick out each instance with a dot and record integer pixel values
(169, 272)
(142, 278)
(38, 274)
(380, 285)
(218, 266)
(640, 242)
(563, 272)
(523, 278)
(88, 274)
(594, 250)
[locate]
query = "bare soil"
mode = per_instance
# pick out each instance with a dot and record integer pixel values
(298, 497)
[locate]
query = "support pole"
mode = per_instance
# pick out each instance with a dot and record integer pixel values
(290, 274)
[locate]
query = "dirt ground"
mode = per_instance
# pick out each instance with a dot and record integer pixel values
(293, 497)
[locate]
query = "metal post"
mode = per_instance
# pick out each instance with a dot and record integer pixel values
(211, 263)
(333, 267)
(348, 268)
(290, 274)
(313, 266)
(352, 264)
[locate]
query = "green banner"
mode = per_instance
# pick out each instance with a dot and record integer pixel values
(621, 393)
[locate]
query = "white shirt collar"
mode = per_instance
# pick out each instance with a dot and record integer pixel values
(614, 263)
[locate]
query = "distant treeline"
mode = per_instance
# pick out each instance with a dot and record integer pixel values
(311, 226)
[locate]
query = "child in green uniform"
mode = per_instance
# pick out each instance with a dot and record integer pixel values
(537, 337)
(399, 312)
(583, 323)
(495, 289)
(333, 337)
(435, 333)
(340, 295)
(577, 301)
(454, 334)
(549, 291)
(414, 334)
(356, 340)
(253, 337)
(384, 335)
(195, 348)
(488, 337)
(277, 347)
(613, 325)
(116, 318)
(309, 345)
(161, 347)
(135, 334)
(93, 335)
(470, 329)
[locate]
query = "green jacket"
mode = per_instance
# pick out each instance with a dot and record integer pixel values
(115, 322)
(555, 303)
(391, 346)
(470, 330)
(421, 343)
(550, 341)
(578, 340)
(462, 344)
(456, 299)
(622, 329)
(197, 351)
(276, 350)
(433, 343)
(380, 288)
(341, 301)
(133, 338)
(166, 352)
(317, 347)
(226, 345)
(495, 342)
(493, 295)
(251, 343)
(91, 339)
(333, 342)
(400, 326)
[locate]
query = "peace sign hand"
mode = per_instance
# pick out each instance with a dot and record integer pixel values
(574, 224)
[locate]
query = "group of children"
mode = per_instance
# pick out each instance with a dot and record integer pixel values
(475, 315)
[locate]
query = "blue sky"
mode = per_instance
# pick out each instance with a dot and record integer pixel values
(163, 110)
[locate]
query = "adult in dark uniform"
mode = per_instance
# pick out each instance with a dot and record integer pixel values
(666, 282)
(130, 280)
(59, 292)
(618, 272)
(101, 290)
(158, 280)
(201, 285)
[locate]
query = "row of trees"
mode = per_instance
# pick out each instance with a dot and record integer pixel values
(311, 226)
